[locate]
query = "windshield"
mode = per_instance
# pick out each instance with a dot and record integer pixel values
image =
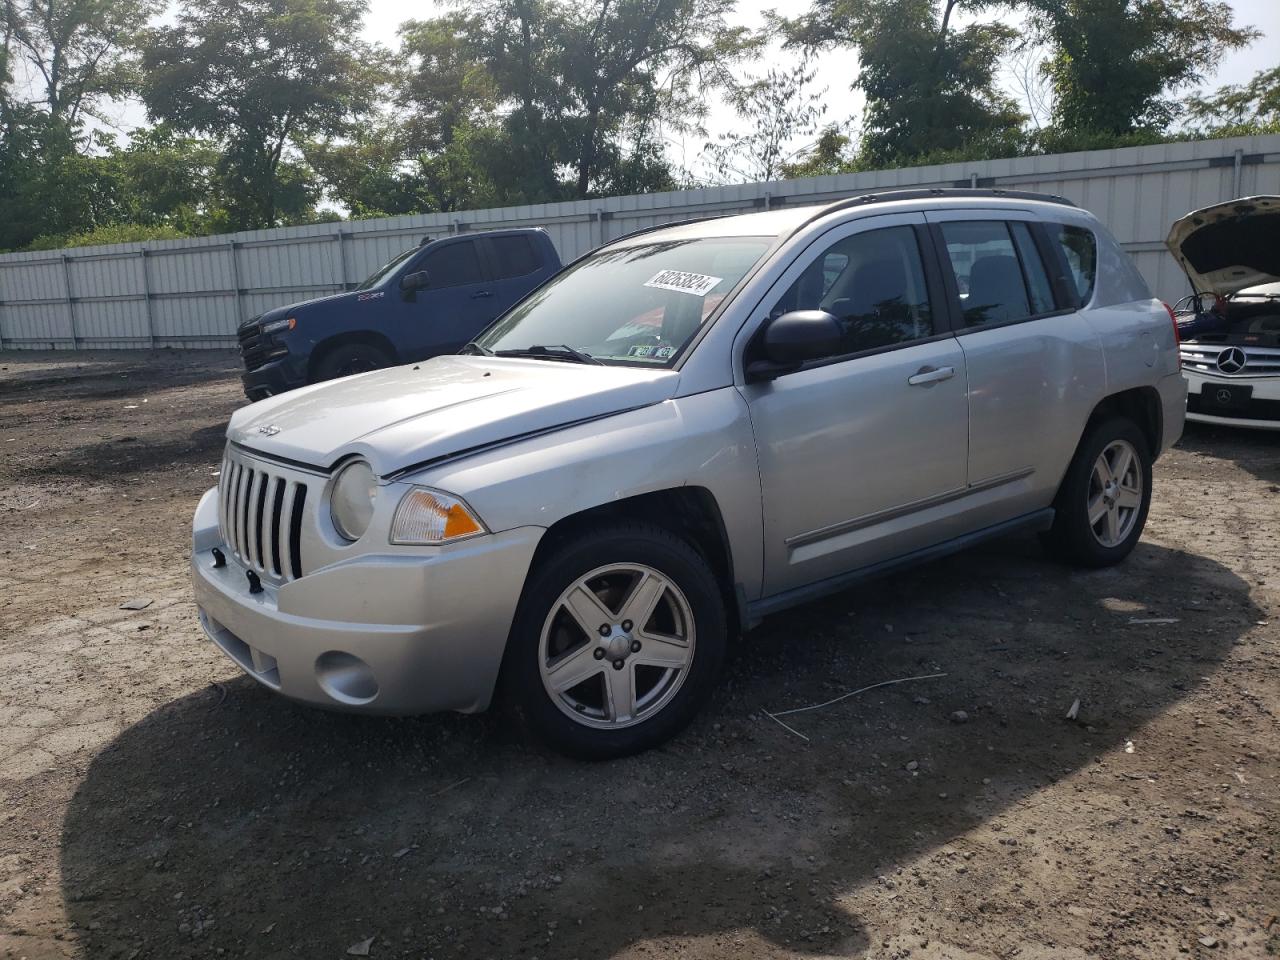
(629, 305)
(387, 269)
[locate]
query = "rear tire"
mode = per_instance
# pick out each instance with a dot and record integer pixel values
(617, 642)
(1102, 504)
(347, 359)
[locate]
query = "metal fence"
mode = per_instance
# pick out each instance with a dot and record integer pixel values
(193, 293)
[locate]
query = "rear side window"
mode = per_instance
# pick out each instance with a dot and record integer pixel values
(514, 256)
(873, 283)
(1080, 249)
(987, 271)
(453, 265)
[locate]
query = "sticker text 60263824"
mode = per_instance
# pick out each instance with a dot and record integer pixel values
(697, 284)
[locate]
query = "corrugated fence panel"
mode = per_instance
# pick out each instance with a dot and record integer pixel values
(192, 293)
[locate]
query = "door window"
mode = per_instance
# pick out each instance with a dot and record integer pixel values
(1081, 251)
(987, 272)
(453, 265)
(514, 256)
(873, 283)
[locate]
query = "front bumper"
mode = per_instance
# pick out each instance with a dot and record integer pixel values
(274, 377)
(1261, 411)
(406, 632)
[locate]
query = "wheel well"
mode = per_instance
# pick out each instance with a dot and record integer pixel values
(326, 347)
(1142, 406)
(690, 513)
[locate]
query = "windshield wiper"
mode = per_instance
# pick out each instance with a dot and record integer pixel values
(477, 347)
(559, 351)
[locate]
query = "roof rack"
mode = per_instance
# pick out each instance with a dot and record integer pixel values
(889, 196)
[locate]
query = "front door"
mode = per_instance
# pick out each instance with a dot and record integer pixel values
(855, 450)
(441, 317)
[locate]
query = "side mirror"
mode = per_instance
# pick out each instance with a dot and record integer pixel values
(417, 280)
(794, 338)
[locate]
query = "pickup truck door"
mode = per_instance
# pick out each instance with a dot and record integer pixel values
(442, 317)
(860, 453)
(1035, 364)
(517, 263)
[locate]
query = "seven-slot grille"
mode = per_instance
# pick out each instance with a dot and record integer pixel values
(260, 516)
(1203, 358)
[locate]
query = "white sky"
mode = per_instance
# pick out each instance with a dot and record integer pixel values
(835, 71)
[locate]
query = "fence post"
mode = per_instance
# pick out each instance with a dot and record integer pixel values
(232, 247)
(341, 237)
(1237, 173)
(146, 297)
(71, 305)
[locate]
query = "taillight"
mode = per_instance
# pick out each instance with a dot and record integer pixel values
(1177, 336)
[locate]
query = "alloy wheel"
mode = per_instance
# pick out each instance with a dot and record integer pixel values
(1115, 493)
(616, 646)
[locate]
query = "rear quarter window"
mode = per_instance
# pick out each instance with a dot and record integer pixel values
(1080, 249)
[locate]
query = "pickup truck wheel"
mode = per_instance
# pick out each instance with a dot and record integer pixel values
(350, 358)
(1103, 503)
(617, 642)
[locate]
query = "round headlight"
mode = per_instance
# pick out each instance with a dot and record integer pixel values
(351, 502)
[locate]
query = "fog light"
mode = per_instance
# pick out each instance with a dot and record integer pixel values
(345, 677)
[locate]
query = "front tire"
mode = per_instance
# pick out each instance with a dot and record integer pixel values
(617, 642)
(1102, 505)
(347, 359)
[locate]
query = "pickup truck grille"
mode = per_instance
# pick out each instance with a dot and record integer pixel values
(1203, 358)
(255, 349)
(260, 515)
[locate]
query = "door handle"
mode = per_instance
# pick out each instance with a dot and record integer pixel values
(481, 294)
(926, 376)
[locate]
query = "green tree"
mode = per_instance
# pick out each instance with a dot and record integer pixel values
(1115, 64)
(588, 88)
(775, 111)
(261, 77)
(930, 85)
(1253, 107)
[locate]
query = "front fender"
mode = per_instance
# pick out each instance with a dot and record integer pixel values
(703, 440)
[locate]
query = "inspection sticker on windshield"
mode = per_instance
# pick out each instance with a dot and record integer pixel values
(698, 284)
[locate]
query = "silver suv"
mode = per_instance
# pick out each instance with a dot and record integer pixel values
(686, 430)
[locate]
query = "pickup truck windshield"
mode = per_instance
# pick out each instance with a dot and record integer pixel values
(630, 305)
(387, 269)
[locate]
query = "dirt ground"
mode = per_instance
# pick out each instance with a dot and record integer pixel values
(155, 803)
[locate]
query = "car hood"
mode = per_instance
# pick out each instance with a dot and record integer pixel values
(350, 297)
(408, 415)
(1229, 246)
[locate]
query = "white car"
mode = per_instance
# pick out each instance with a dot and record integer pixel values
(1231, 325)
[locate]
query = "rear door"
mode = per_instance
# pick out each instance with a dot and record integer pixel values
(516, 264)
(1034, 364)
(443, 316)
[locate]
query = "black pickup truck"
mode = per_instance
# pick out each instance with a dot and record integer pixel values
(427, 301)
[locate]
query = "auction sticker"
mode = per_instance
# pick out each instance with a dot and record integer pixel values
(697, 284)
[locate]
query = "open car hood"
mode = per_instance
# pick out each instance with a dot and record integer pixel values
(1229, 246)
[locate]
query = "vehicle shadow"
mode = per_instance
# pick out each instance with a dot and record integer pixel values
(232, 820)
(1256, 451)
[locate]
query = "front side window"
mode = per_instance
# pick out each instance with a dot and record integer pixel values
(640, 304)
(453, 265)
(1080, 248)
(987, 272)
(873, 283)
